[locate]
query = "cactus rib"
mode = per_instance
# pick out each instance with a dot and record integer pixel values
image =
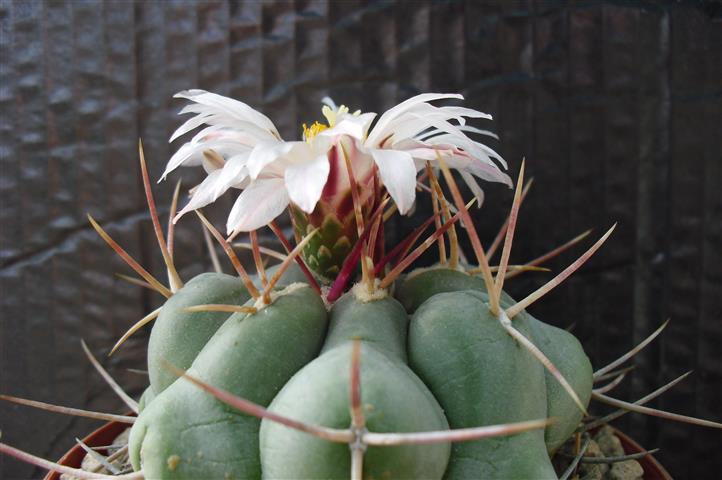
(367, 438)
(505, 322)
(250, 408)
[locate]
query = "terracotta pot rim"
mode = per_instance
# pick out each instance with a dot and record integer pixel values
(102, 436)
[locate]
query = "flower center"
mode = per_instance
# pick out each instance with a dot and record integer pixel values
(309, 133)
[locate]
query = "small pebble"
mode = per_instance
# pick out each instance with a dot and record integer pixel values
(121, 439)
(608, 442)
(89, 463)
(593, 471)
(627, 470)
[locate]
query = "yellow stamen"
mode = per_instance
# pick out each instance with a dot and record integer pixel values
(309, 133)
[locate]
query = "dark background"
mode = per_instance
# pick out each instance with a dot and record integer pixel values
(617, 107)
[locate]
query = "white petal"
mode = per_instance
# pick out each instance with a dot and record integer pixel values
(329, 101)
(398, 173)
(457, 112)
(379, 130)
(487, 172)
(353, 126)
(187, 126)
(305, 182)
(191, 154)
(472, 148)
(179, 158)
(224, 113)
(468, 128)
(229, 106)
(265, 153)
(205, 193)
(474, 187)
(235, 172)
(257, 205)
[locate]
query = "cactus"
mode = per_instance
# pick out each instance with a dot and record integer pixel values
(346, 361)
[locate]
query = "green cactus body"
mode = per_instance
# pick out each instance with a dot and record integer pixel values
(394, 400)
(567, 354)
(293, 274)
(185, 433)
(145, 399)
(178, 336)
(481, 376)
(423, 283)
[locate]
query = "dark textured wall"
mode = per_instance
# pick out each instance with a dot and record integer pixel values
(617, 107)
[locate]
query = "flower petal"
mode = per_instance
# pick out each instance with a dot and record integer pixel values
(398, 173)
(265, 153)
(235, 172)
(379, 130)
(354, 126)
(257, 205)
(305, 181)
(205, 193)
(234, 108)
(191, 154)
(474, 187)
(328, 101)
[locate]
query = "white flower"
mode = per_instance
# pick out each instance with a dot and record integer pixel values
(241, 148)
(415, 132)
